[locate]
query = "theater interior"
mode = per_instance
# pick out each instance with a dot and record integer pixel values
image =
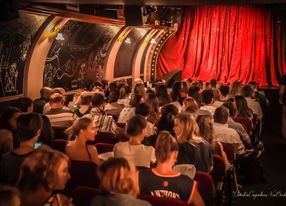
(75, 44)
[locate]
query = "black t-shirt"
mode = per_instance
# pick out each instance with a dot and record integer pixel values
(179, 187)
(199, 154)
(283, 82)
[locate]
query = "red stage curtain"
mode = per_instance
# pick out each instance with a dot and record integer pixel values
(228, 43)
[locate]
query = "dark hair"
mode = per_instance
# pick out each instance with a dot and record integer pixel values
(135, 125)
(169, 108)
(143, 109)
(166, 122)
(242, 107)
(208, 96)
(253, 84)
(221, 115)
(224, 90)
(23, 103)
(193, 90)
(231, 108)
(175, 94)
(97, 99)
(114, 95)
(213, 83)
(47, 133)
(28, 125)
(85, 99)
(56, 98)
(5, 117)
(135, 100)
(247, 91)
(140, 90)
(165, 144)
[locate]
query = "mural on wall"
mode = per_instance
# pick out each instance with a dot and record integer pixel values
(78, 55)
(15, 41)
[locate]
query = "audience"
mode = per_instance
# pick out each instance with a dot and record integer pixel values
(134, 151)
(129, 110)
(154, 114)
(143, 109)
(84, 104)
(208, 100)
(83, 130)
(25, 104)
(29, 129)
(39, 103)
(118, 185)
(163, 181)
(9, 196)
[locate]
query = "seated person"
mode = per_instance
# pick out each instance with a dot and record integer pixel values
(163, 181)
(134, 150)
(83, 104)
(9, 196)
(8, 137)
(39, 103)
(223, 95)
(58, 116)
(144, 110)
(208, 100)
(193, 149)
(119, 186)
(83, 130)
(43, 173)
(29, 129)
(103, 122)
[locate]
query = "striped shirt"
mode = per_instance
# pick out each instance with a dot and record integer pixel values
(60, 117)
(103, 122)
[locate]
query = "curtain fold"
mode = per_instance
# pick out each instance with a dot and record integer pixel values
(228, 43)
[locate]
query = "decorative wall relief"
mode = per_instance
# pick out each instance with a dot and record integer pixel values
(15, 41)
(78, 55)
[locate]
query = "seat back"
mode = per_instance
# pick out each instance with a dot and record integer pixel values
(246, 123)
(104, 147)
(59, 144)
(229, 150)
(83, 173)
(105, 137)
(60, 133)
(83, 195)
(159, 201)
(219, 169)
(206, 187)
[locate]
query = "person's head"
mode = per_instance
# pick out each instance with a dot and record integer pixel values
(57, 100)
(105, 85)
(242, 106)
(44, 169)
(213, 83)
(193, 90)
(118, 176)
(29, 127)
(8, 118)
(206, 129)
(190, 105)
(136, 126)
(140, 90)
(185, 127)
(153, 102)
(235, 88)
(25, 104)
(98, 100)
(114, 95)
(47, 132)
(224, 90)
(161, 89)
(9, 196)
(208, 96)
(86, 98)
(247, 91)
(175, 94)
(143, 109)
(254, 85)
(166, 147)
(231, 108)
(83, 127)
(169, 108)
(136, 100)
(221, 115)
(45, 93)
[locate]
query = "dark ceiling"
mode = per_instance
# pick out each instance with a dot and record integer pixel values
(158, 2)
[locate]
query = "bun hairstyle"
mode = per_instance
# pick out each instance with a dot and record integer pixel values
(165, 144)
(116, 177)
(39, 170)
(81, 123)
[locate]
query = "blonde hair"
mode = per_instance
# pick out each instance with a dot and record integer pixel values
(40, 169)
(116, 177)
(80, 123)
(190, 105)
(165, 144)
(189, 128)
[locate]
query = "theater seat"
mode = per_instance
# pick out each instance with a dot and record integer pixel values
(159, 201)
(59, 144)
(105, 137)
(83, 195)
(104, 147)
(60, 133)
(219, 169)
(83, 173)
(206, 187)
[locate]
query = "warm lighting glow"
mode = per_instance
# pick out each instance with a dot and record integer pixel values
(153, 41)
(60, 37)
(128, 40)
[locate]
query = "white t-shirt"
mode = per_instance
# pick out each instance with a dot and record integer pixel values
(126, 114)
(139, 155)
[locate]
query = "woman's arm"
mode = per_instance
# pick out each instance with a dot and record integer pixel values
(196, 199)
(93, 154)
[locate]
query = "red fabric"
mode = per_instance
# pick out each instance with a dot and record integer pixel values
(227, 43)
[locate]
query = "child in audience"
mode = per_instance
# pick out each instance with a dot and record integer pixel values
(163, 181)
